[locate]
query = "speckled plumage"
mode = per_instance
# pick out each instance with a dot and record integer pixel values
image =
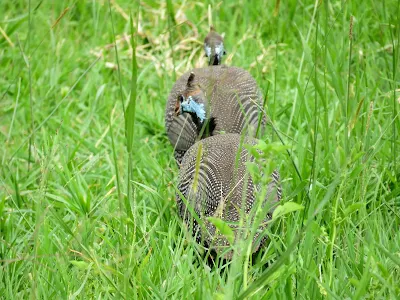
(222, 188)
(233, 101)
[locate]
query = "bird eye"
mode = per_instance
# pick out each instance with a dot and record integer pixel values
(180, 98)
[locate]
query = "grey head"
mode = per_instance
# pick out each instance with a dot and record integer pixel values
(214, 47)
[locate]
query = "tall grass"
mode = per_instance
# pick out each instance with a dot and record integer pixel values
(88, 182)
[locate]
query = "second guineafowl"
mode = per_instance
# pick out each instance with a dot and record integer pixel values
(214, 182)
(211, 100)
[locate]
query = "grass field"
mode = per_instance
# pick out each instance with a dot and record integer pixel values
(88, 179)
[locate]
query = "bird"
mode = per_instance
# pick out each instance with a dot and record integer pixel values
(214, 181)
(214, 47)
(207, 101)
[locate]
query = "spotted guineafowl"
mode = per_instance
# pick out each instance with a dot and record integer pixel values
(215, 183)
(214, 47)
(210, 100)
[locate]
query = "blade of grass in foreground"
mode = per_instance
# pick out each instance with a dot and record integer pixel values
(117, 58)
(171, 24)
(394, 67)
(346, 112)
(114, 155)
(130, 118)
(32, 138)
(129, 112)
(120, 196)
(131, 108)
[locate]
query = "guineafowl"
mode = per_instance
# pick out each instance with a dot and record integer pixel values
(210, 100)
(215, 183)
(214, 47)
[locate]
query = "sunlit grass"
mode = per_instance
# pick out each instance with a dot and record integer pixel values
(88, 182)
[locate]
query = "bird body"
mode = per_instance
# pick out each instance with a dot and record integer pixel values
(225, 98)
(215, 182)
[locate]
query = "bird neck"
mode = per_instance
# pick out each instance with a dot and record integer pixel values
(215, 61)
(204, 128)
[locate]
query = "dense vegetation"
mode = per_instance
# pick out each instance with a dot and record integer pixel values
(80, 119)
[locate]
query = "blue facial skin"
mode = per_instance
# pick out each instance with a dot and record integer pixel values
(189, 105)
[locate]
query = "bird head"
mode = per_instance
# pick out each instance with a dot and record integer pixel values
(192, 101)
(214, 47)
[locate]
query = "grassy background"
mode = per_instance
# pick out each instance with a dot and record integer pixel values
(71, 226)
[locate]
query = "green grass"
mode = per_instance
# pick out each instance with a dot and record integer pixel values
(87, 191)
